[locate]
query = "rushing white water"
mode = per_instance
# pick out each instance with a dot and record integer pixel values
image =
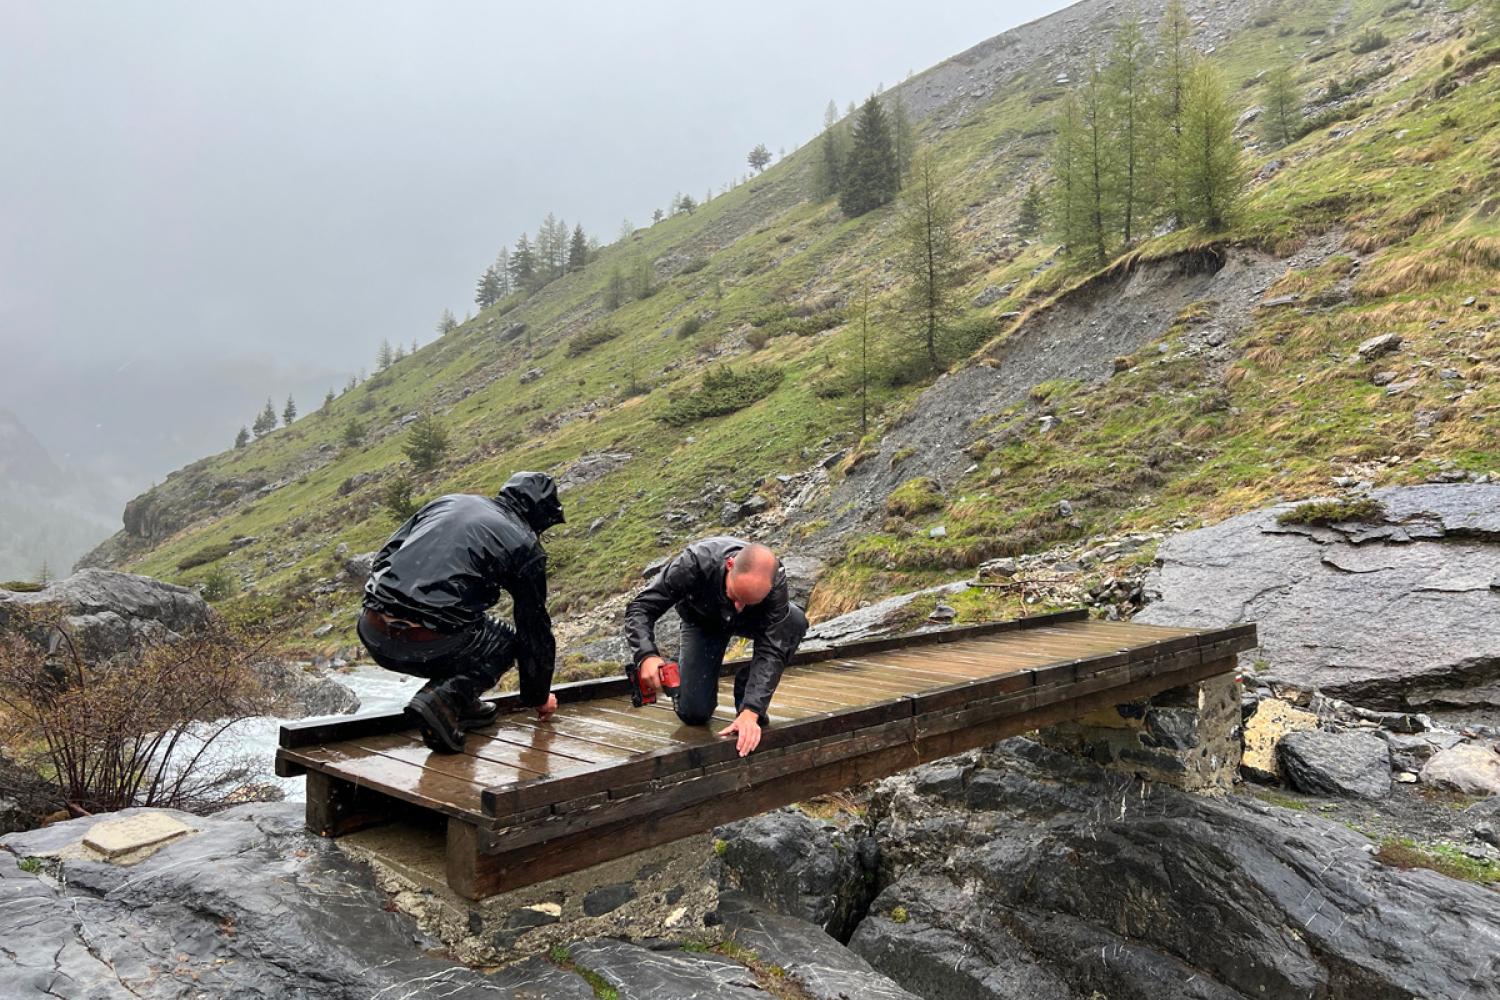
(253, 741)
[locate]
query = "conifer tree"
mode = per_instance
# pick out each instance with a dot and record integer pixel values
(265, 423)
(522, 263)
(383, 357)
(446, 323)
(1127, 84)
(1174, 59)
(642, 279)
(627, 230)
(929, 255)
(398, 354)
(1092, 184)
(1033, 207)
(1211, 163)
(829, 173)
(903, 137)
(871, 178)
(242, 438)
(502, 273)
(487, 291)
(351, 384)
(578, 250)
(328, 398)
(614, 290)
(426, 442)
(759, 157)
(1281, 122)
(354, 433)
(657, 215)
(289, 412)
(685, 205)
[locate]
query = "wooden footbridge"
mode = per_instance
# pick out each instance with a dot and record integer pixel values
(530, 800)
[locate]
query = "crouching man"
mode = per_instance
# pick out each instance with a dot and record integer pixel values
(429, 589)
(721, 587)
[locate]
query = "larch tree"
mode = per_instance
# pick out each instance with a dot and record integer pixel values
(1127, 85)
(487, 290)
(1097, 163)
(426, 442)
(759, 157)
(1032, 211)
(446, 323)
(1211, 163)
(523, 263)
(903, 137)
(265, 423)
(871, 178)
(1174, 60)
(242, 438)
(384, 356)
(1281, 121)
(328, 398)
(929, 252)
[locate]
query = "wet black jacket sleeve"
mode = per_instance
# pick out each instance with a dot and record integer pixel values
(536, 650)
(780, 632)
(671, 585)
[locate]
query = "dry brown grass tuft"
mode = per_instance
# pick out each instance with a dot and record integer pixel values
(1266, 356)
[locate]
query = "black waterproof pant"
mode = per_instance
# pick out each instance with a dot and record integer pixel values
(462, 666)
(700, 660)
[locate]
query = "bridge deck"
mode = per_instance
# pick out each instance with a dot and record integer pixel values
(529, 800)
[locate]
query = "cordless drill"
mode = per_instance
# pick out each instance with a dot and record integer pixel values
(669, 676)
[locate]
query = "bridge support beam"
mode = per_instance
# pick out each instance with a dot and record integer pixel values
(1187, 736)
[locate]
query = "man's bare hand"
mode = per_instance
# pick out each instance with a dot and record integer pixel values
(747, 725)
(545, 710)
(651, 673)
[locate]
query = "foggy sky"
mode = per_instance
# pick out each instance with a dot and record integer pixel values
(279, 186)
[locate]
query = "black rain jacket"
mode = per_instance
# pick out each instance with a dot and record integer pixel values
(693, 582)
(448, 563)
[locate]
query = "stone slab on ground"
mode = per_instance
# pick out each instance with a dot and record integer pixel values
(134, 834)
(1396, 614)
(1351, 764)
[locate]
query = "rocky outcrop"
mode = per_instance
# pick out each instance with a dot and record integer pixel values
(107, 613)
(1023, 873)
(1398, 612)
(813, 871)
(110, 615)
(245, 903)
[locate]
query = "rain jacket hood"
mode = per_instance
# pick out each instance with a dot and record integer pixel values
(533, 497)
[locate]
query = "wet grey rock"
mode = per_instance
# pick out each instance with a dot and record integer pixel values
(107, 613)
(1471, 768)
(531, 375)
(607, 898)
(1395, 615)
(1348, 765)
(1278, 301)
(801, 867)
(1376, 346)
(251, 906)
(825, 969)
(943, 613)
(1060, 880)
(639, 973)
(1409, 751)
(880, 618)
(591, 467)
(802, 573)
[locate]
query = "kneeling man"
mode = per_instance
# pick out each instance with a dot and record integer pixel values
(721, 587)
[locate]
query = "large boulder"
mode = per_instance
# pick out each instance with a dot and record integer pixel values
(1397, 612)
(1471, 768)
(1023, 873)
(107, 613)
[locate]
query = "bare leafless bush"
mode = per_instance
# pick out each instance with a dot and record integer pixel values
(136, 731)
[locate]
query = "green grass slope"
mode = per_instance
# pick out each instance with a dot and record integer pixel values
(1405, 173)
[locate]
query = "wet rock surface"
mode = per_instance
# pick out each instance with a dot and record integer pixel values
(1023, 873)
(1353, 764)
(107, 613)
(799, 866)
(1395, 614)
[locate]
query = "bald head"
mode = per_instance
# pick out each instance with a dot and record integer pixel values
(752, 573)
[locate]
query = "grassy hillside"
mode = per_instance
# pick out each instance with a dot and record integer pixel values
(1402, 178)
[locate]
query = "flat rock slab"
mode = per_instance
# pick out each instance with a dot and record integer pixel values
(1349, 765)
(1471, 768)
(1396, 614)
(638, 973)
(134, 835)
(1272, 720)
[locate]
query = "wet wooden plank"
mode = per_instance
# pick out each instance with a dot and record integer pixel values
(421, 786)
